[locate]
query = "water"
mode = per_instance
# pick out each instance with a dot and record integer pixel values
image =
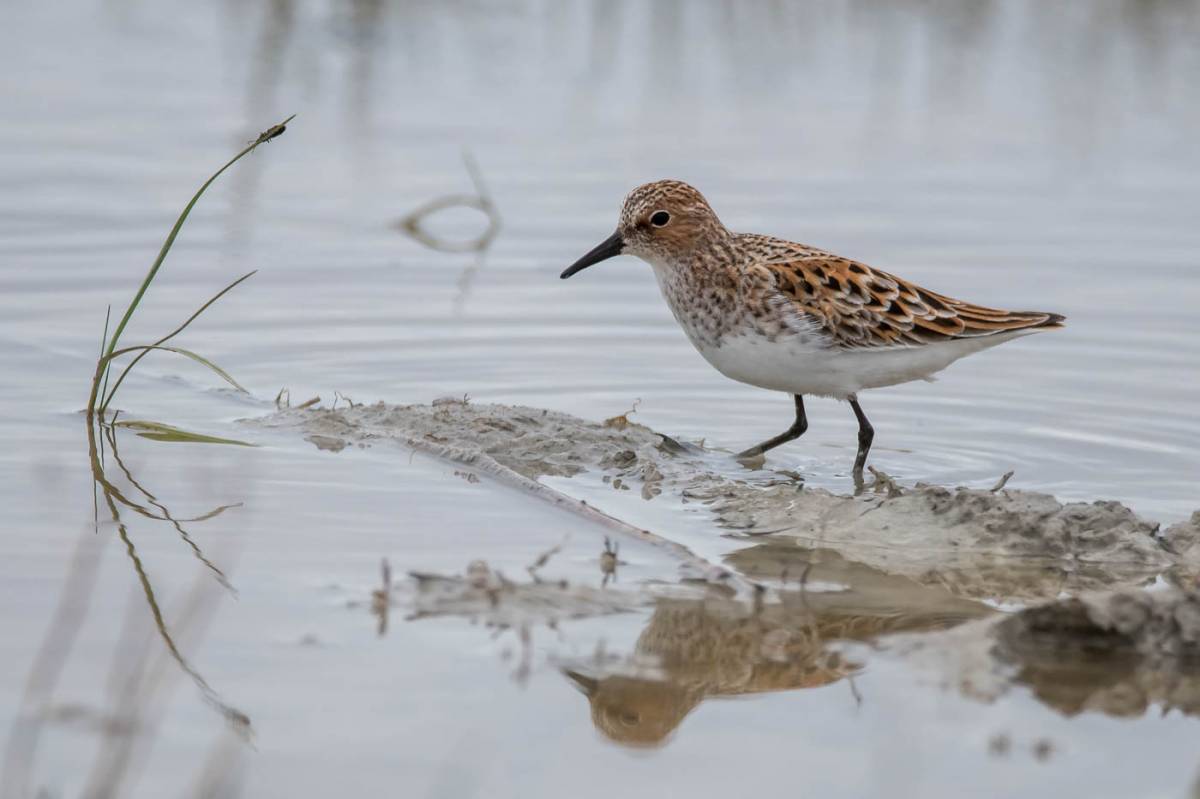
(1017, 154)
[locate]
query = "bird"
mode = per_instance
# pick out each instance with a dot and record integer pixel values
(789, 317)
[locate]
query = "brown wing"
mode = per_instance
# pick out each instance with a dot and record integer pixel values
(863, 307)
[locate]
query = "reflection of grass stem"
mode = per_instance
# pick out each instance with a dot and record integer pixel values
(166, 514)
(113, 497)
(99, 398)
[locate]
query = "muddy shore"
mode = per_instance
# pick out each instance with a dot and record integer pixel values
(1003, 544)
(1102, 612)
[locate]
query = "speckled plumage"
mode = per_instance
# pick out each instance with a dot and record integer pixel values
(790, 317)
(720, 283)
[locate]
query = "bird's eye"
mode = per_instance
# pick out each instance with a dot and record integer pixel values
(660, 218)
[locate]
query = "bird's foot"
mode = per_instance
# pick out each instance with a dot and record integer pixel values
(752, 458)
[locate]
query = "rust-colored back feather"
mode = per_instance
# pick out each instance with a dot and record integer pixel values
(859, 306)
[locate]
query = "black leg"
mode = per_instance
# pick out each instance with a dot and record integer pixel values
(866, 434)
(791, 434)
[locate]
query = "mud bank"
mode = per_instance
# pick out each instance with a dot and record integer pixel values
(1117, 653)
(1000, 543)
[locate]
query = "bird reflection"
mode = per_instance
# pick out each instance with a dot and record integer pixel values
(698, 649)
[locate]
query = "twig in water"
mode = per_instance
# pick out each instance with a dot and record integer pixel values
(381, 598)
(543, 559)
(858, 699)
(414, 223)
(337, 395)
(608, 562)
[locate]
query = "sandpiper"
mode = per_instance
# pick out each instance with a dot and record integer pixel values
(789, 317)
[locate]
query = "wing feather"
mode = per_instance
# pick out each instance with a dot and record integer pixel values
(859, 307)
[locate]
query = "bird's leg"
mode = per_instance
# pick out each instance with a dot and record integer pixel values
(866, 434)
(791, 434)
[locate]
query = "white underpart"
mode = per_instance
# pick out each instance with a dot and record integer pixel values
(800, 365)
(807, 361)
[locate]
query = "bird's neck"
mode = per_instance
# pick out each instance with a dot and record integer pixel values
(701, 288)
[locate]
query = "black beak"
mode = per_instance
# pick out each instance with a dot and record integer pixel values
(601, 252)
(584, 683)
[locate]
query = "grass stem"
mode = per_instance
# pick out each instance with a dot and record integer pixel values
(109, 350)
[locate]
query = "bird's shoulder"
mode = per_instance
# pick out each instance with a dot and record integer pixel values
(859, 306)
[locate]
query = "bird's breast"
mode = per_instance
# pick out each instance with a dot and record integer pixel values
(706, 307)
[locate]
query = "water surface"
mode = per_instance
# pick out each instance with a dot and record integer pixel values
(1016, 154)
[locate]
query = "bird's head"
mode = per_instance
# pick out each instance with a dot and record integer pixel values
(660, 222)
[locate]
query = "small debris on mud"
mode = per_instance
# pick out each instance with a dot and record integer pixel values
(487, 596)
(543, 559)
(884, 484)
(326, 443)
(451, 400)
(621, 421)
(609, 562)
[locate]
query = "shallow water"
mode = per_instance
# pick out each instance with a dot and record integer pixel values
(1017, 154)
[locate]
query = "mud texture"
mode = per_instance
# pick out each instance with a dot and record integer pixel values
(1183, 540)
(1005, 544)
(1122, 654)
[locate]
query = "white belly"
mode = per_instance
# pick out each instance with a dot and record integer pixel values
(804, 365)
(808, 362)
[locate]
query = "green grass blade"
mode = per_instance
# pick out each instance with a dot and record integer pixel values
(103, 344)
(187, 354)
(157, 431)
(270, 133)
(110, 347)
(108, 395)
(104, 338)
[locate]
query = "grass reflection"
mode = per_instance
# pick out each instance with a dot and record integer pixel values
(140, 673)
(115, 500)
